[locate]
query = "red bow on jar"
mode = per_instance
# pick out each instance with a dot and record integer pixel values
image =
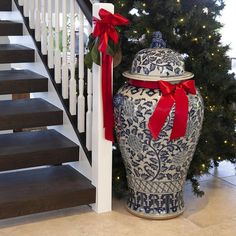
(105, 30)
(172, 94)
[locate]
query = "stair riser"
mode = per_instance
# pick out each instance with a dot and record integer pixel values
(11, 29)
(50, 203)
(5, 5)
(16, 56)
(31, 120)
(29, 86)
(40, 158)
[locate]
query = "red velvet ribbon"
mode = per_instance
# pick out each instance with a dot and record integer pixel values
(171, 94)
(105, 30)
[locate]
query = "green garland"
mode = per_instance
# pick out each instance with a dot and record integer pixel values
(94, 55)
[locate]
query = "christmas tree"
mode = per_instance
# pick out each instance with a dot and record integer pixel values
(191, 28)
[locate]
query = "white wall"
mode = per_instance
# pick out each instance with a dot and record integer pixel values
(228, 18)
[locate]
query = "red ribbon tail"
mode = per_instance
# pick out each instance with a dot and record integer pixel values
(160, 114)
(108, 117)
(103, 42)
(181, 114)
(105, 30)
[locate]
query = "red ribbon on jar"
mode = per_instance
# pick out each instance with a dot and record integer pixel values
(105, 30)
(171, 94)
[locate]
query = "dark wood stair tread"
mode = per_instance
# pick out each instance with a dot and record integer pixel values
(28, 113)
(44, 189)
(10, 28)
(22, 81)
(37, 148)
(5, 5)
(15, 53)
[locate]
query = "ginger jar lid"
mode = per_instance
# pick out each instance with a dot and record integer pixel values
(158, 63)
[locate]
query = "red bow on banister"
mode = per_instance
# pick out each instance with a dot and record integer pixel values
(105, 30)
(172, 94)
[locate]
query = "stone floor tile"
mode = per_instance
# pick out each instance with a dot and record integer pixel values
(231, 179)
(218, 203)
(226, 228)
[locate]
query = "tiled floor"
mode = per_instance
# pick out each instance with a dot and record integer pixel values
(212, 215)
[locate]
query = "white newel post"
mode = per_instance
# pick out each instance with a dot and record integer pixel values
(102, 149)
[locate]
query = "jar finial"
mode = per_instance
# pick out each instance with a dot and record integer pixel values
(157, 41)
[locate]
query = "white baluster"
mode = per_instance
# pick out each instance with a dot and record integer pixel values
(43, 28)
(26, 8)
(50, 36)
(89, 106)
(65, 78)
(72, 59)
(31, 14)
(57, 59)
(81, 99)
(21, 2)
(37, 20)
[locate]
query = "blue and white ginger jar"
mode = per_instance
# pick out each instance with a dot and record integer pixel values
(156, 168)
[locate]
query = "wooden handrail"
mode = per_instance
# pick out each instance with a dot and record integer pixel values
(86, 7)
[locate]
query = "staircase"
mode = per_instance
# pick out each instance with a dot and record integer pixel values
(53, 184)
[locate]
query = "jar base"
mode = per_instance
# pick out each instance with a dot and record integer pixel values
(154, 217)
